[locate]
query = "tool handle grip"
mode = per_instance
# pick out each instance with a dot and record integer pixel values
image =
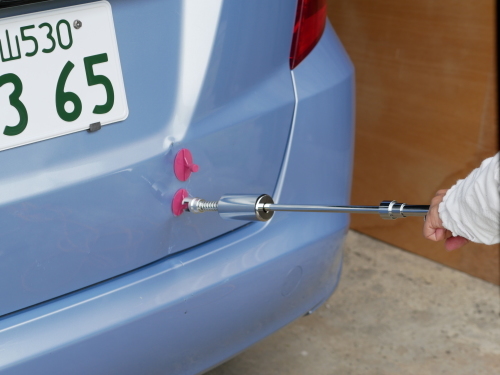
(415, 210)
(391, 210)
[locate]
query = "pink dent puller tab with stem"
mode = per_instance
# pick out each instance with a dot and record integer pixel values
(177, 206)
(183, 165)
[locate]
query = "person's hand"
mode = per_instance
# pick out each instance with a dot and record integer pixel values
(433, 226)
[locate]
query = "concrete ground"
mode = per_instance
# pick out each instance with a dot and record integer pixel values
(393, 313)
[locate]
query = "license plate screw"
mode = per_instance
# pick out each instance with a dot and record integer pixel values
(94, 127)
(77, 24)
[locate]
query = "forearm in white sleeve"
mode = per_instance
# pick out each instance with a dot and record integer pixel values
(471, 208)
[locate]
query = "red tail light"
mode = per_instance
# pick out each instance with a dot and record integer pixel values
(309, 25)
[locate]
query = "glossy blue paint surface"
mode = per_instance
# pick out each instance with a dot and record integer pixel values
(194, 309)
(319, 161)
(184, 314)
(79, 209)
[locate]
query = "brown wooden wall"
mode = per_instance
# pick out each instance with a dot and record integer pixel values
(426, 110)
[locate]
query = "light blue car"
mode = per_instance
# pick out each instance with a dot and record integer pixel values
(109, 112)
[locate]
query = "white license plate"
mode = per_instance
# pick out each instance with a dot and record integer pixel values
(60, 72)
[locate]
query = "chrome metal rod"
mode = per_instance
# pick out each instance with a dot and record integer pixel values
(262, 207)
(406, 210)
(314, 208)
(415, 210)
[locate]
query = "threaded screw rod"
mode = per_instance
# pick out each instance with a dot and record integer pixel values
(198, 205)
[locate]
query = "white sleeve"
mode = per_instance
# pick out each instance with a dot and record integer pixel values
(471, 208)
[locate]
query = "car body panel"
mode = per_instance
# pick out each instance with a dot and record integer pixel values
(82, 208)
(195, 309)
(181, 315)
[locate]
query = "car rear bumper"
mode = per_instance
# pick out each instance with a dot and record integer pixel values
(182, 314)
(192, 310)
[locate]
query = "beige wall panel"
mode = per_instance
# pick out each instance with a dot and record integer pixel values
(426, 110)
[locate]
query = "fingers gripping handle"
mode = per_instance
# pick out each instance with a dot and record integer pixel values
(262, 207)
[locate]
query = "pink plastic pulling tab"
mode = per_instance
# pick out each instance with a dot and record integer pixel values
(183, 165)
(177, 206)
